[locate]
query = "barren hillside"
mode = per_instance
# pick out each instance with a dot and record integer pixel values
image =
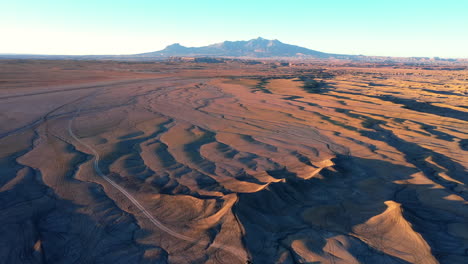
(180, 162)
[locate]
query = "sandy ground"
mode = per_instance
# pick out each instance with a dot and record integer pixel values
(125, 162)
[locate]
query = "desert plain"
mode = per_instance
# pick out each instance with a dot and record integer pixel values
(233, 162)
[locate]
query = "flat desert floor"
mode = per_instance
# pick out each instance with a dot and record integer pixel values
(235, 162)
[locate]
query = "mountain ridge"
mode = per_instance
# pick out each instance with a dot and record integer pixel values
(258, 48)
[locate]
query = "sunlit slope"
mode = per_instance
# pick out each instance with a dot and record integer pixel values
(235, 162)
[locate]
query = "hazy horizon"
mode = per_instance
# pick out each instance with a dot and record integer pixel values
(384, 28)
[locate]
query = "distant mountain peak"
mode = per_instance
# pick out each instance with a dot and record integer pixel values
(174, 45)
(260, 39)
(174, 48)
(259, 47)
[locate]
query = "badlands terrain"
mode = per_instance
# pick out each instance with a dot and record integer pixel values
(233, 162)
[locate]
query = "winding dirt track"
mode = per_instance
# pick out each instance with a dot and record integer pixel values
(235, 252)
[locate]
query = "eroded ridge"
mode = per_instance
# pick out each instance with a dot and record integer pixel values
(186, 163)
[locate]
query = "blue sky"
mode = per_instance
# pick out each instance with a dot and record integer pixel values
(377, 27)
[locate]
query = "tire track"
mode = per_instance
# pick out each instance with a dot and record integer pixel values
(85, 87)
(234, 251)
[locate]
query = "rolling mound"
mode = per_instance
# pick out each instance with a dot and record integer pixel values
(180, 162)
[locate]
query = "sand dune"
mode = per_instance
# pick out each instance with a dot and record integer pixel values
(198, 163)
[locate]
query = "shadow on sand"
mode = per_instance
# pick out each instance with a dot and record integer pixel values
(349, 194)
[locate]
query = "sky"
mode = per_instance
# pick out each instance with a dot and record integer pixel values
(404, 28)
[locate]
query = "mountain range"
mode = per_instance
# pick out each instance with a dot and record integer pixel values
(254, 48)
(257, 48)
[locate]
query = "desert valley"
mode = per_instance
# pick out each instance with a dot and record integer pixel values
(233, 161)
